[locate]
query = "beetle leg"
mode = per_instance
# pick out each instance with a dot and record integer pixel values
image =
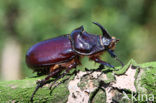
(69, 65)
(98, 60)
(61, 76)
(57, 84)
(43, 82)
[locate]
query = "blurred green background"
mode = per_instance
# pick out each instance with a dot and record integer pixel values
(26, 22)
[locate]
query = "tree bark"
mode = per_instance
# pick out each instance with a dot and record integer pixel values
(87, 86)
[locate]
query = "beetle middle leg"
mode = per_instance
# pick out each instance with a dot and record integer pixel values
(54, 84)
(61, 76)
(68, 65)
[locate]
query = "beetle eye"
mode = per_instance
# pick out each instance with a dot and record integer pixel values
(105, 41)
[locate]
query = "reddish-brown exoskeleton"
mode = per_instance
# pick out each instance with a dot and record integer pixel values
(63, 53)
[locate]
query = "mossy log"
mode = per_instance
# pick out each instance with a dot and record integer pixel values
(97, 87)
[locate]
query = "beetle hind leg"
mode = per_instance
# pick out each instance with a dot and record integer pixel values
(43, 82)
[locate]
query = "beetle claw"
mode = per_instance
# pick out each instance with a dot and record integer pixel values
(38, 86)
(39, 83)
(109, 65)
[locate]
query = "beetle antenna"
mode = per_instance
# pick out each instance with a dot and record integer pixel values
(105, 34)
(116, 58)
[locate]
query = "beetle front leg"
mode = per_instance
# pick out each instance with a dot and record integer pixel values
(98, 60)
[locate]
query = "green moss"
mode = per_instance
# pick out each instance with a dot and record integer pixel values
(118, 97)
(149, 64)
(110, 77)
(124, 69)
(21, 91)
(148, 80)
(100, 97)
(146, 83)
(81, 85)
(85, 81)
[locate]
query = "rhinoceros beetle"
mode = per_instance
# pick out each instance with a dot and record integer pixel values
(64, 52)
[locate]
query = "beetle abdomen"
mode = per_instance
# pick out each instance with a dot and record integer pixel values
(49, 52)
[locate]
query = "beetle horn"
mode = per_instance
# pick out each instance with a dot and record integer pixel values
(105, 34)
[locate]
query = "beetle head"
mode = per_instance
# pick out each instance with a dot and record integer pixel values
(112, 44)
(107, 41)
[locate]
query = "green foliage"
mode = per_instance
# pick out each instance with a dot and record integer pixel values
(133, 22)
